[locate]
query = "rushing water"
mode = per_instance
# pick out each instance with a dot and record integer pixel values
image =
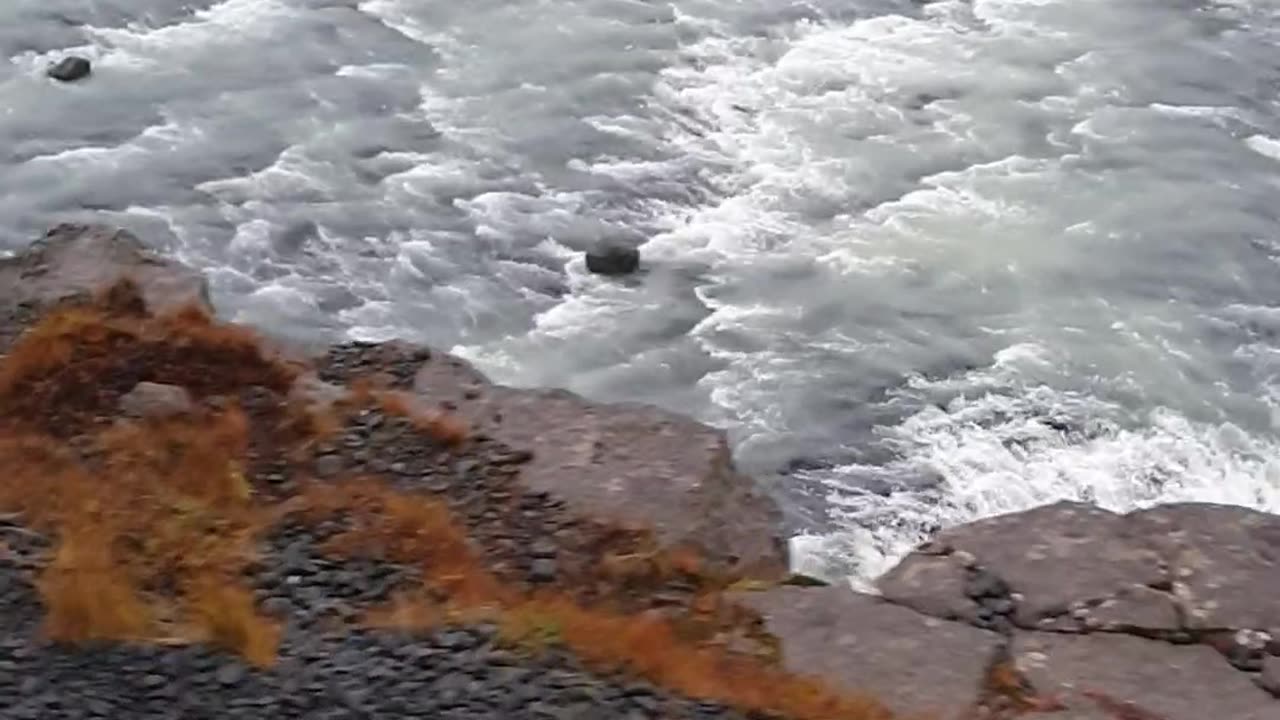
(925, 261)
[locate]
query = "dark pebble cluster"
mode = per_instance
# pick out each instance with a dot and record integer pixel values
(329, 668)
(452, 673)
(295, 581)
(526, 536)
(519, 530)
(350, 361)
(994, 598)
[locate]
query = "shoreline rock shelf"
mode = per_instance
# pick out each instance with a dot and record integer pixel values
(393, 535)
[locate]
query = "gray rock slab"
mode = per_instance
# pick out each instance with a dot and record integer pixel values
(633, 463)
(1166, 681)
(1225, 562)
(913, 663)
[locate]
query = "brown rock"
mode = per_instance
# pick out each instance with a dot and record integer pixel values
(75, 259)
(1149, 678)
(635, 464)
(915, 664)
(155, 401)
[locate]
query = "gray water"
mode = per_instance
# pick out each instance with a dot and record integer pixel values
(925, 262)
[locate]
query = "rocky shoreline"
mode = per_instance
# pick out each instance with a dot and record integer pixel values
(388, 534)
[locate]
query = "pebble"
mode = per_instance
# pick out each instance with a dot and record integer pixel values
(230, 674)
(543, 570)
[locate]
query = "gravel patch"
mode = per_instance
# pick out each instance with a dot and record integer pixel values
(454, 673)
(296, 581)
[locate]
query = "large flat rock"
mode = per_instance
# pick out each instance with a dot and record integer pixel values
(1224, 561)
(1137, 678)
(632, 463)
(1055, 558)
(915, 664)
(72, 259)
(78, 260)
(1171, 570)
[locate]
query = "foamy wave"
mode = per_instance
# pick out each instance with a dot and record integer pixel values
(1000, 453)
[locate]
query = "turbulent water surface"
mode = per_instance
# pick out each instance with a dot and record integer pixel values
(925, 261)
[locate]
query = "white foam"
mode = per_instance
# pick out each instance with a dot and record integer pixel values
(1264, 145)
(918, 100)
(229, 23)
(990, 467)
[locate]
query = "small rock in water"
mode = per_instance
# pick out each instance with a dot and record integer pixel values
(613, 260)
(70, 69)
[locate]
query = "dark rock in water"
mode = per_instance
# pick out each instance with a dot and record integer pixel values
(613, 260)
(70, 69)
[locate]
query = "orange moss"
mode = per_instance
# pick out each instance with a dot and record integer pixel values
(155, 521)
(651, 647)
(444, 427)
(167, 507)
(414, 611)
(85, 596)
(225, 616)
(70, 369)
(1006, 686)
(410, 529)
